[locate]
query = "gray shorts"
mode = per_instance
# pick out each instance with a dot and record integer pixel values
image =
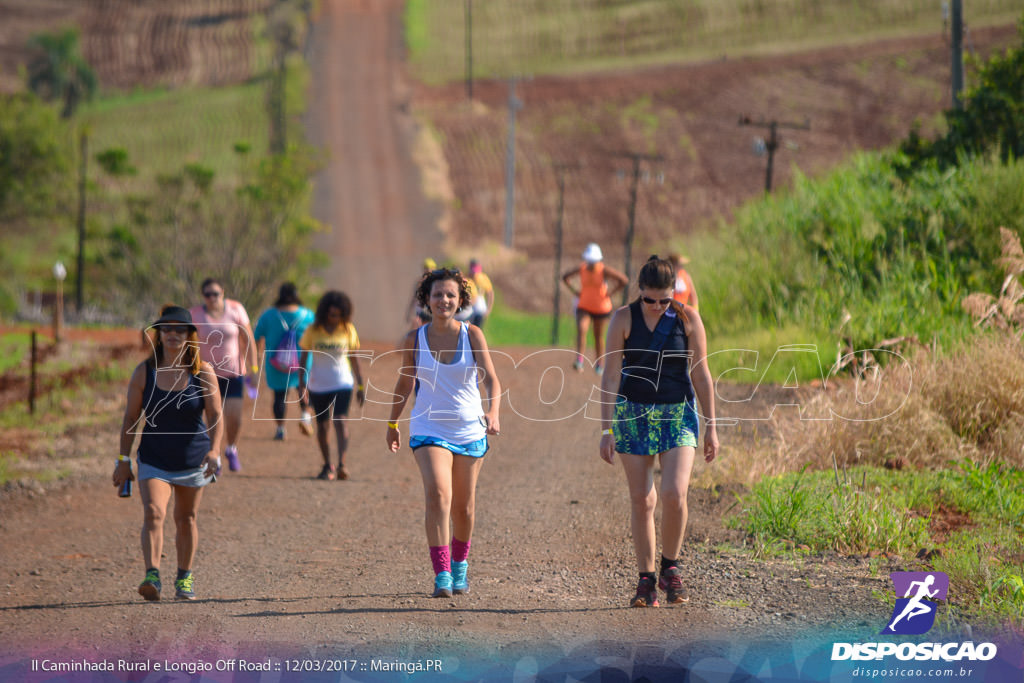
(193, 478)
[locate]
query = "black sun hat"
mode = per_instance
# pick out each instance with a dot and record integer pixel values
(175, 315)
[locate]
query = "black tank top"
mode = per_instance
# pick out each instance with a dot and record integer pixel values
(652, 376)
(175, 437)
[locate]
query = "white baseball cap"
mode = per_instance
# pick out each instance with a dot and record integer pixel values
(592, 254)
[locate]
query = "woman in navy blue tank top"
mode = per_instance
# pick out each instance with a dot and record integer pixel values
(174, 402)
(656, 367)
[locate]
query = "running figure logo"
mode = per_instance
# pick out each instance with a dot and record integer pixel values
(914, 612)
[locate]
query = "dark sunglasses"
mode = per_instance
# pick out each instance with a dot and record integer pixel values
(660, 302)
(212, 295)
(176, 329)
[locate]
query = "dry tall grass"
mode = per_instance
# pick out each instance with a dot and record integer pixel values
(930, 408)
(922, 413)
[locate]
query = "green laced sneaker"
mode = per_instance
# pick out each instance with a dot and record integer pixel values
(183, 588)
(150, 586)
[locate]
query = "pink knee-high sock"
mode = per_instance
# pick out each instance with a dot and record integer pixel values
(460, 550)
(440, 558)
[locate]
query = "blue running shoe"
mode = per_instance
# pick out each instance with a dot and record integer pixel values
(442, 585)
(460, 582)
(150, 586)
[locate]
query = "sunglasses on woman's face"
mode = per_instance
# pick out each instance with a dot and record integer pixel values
(174, 329)
(212, 294)
(660, 302)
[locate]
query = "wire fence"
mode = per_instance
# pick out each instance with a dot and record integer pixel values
(545, 36)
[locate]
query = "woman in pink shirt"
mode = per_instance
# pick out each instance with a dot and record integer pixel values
(226, 342)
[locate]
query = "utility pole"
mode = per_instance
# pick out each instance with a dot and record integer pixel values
(772, 143)
(631, 231)
(958, 52)
(83, 151)
(469, 49)
(514, 105)
(560, 170)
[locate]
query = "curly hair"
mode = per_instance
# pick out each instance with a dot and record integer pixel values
(333, 299)
(453, 274)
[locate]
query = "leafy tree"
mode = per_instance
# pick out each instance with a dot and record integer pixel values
(33, 159)
(992, 117)
(188, 227)
(59, 72)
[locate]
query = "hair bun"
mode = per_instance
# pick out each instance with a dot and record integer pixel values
(653, 257)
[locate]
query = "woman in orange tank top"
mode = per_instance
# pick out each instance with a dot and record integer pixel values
(593, 301)
(684, 291)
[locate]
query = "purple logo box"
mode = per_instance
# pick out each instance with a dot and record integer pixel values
(901, 582)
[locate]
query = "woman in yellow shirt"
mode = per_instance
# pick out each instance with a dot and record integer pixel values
(333, 375)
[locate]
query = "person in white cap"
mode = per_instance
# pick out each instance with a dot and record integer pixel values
(593, 301)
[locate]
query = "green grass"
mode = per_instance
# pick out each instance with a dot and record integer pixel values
(92, 397)
(873, 509)
(571, 36)
(509, 327)
(789, 355)
(861, 255)
(161, 130)
(14, 350)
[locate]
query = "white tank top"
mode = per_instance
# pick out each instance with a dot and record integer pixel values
(447, 395)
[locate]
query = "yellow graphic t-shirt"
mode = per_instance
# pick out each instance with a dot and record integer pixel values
(330, 370)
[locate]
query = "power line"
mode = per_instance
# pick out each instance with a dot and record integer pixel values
(772, 143)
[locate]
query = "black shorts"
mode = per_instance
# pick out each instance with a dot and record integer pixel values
(230, 387)
(580, 312)
(322, 402)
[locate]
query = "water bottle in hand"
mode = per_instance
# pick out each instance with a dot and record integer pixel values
(251, 388)
(126, 489)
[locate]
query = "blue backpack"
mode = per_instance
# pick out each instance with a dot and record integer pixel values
(286, 355)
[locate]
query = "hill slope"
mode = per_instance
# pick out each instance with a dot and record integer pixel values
(863, 97)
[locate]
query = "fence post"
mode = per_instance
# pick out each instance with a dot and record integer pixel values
(32, 377)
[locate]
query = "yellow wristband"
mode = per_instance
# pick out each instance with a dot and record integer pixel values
(608, 432)
(123, 458)
(255, 369)
(360, 387)
(392, 425)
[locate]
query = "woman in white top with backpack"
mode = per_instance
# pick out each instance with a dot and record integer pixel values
(449, 424)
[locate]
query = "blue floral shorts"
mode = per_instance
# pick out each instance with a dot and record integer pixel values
(652, 428)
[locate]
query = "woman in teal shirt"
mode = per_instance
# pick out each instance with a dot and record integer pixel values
(286, 314)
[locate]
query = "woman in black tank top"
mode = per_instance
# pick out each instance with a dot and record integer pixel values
(656, 369)
(174, 401)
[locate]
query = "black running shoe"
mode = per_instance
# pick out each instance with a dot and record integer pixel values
(646, 593)
(671, 582)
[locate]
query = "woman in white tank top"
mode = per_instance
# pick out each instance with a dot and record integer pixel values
(444, 362)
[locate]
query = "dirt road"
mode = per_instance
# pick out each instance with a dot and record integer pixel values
(288, 564)
(369, 194)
